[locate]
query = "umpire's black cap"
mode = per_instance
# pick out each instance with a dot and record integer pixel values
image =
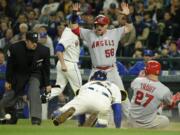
(32, 36)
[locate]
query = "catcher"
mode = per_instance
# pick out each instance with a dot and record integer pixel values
(96, 98)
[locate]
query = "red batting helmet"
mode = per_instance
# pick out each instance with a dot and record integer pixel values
(153, 67)
(101, 19)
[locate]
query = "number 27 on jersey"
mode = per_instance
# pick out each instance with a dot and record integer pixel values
(143, 98)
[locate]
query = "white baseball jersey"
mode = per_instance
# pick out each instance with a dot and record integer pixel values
(107, 87)
(70, 42)
(102, 48)
(148, 95)
(94, 96)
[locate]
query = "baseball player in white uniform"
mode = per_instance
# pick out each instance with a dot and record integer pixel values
(103, 44)
(95, 96)
(148, 95)
(68, 51)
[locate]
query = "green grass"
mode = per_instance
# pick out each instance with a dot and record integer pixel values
(70, 128)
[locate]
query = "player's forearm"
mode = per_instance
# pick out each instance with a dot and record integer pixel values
(117, 114)
(61, 57)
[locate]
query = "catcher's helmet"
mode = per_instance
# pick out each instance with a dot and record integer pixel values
(99, 75)
(101, 19)
(153, 67)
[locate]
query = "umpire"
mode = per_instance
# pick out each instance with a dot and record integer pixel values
(28, 67)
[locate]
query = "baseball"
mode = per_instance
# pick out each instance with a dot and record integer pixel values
(8, 116)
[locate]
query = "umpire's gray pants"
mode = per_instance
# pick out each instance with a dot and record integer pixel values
(34, 98)
(8, 100)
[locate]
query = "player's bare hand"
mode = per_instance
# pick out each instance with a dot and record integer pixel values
(48, 88)
(125, 8)
(76, 7)
(64, 68)
(8, 86)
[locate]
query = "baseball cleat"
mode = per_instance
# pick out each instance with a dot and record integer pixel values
(91, 120)
(64, 116)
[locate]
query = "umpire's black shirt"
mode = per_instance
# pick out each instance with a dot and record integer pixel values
(23, 63)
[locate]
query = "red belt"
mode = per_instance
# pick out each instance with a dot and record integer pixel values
(104, 67)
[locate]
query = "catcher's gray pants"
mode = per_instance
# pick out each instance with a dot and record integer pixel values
(34, 98)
